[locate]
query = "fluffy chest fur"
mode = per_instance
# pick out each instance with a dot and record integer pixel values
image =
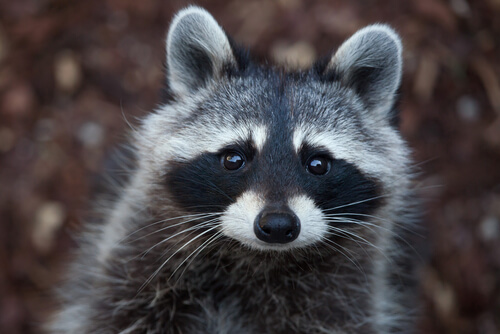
(221, 292)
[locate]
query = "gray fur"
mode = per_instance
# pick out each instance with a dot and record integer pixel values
(149, 268)
(371, 61)
(197, 49)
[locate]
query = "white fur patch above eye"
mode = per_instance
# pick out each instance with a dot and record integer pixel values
(189, 143)
(259, 136)
(346, 145)
(298, 139)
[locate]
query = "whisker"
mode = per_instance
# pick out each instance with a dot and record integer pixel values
(197, 215)
(351, 258)
(357, 202)
(135, 131)
(369, 226)
(174, 225)
(171, 256)
(191, 232)
(323, 239)
(190, 229)
(197, 251)
(343, 234)
(205, 183)
(364, 241)
(403, 226)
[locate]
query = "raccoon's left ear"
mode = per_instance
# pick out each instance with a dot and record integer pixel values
(370, 62)
(197, 51)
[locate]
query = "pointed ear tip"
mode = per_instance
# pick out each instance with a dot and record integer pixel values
(188, 11)
(181, 15)
(385, 29)
(197, 49)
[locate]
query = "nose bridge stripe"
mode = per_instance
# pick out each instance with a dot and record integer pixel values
(276, 176)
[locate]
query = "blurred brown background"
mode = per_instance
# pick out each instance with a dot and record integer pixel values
(73, 72)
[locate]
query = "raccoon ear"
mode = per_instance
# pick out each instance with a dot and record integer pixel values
(370, 62)
(197, 50)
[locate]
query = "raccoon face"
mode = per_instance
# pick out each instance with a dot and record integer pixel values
(284, 159)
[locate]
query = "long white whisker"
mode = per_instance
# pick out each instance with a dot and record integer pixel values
(345, 233)
(198, 250)
(357, 202)
(368, 225)
(363, 240)
(334, 245)
(374, 217)
(190, 229)
(174, 225)
(197, 215)
(171, 256)
(332, 233)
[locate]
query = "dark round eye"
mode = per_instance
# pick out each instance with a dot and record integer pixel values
(318, 165)
(233, 160)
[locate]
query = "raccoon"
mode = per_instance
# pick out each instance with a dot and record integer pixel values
(263, 199)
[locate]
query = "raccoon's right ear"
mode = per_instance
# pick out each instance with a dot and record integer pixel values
(197, 51)
(370, 62)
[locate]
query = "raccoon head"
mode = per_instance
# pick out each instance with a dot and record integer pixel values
(284, 159)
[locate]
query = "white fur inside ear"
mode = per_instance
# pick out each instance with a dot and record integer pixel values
(371, 62)
(367, 47)
(197, 48)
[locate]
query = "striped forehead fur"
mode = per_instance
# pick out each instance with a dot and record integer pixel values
(373, 146)
(168, 142)
(383, 162)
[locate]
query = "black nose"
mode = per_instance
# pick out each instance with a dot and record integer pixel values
(277, 227)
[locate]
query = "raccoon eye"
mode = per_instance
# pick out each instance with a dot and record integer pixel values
(318, 165)
(233, 160)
